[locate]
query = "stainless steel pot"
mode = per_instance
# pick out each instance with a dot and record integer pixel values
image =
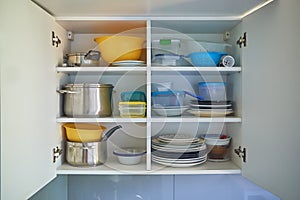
(90, 58)
(88, 153)
(87, 100)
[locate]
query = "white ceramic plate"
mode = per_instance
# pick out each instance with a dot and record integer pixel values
(210, 113)
(128, 63)
(158, 106)
(179, 164)
(211, 106)
(169, 112)
(184, 161)
(176, 146)
(182, 150)
(178, 137)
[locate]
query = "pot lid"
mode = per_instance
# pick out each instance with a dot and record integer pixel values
(89, 85)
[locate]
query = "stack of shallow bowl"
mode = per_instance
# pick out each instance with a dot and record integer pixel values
(178, 150)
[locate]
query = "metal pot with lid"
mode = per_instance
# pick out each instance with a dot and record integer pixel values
(87, 100)
(80, 59)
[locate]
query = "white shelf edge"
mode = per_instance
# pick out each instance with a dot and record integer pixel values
(197, 69)
(197, 119)
(92, 120)
(101, 69)
(153, 119)
(206, 168)
(153, 68)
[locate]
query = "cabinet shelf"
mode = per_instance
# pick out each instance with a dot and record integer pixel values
(93, 120)
(153, 119)
(114, 167)
(197, 119)
(202, 70)
(74, 70)
(100, 70)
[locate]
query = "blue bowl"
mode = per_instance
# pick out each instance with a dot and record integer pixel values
(206, 58)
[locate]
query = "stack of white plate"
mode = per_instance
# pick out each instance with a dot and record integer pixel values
(128, 63)
(210, 108)
(169, 111)
(178, 150)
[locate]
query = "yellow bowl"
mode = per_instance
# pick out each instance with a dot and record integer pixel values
(82, 132)
(118, 48)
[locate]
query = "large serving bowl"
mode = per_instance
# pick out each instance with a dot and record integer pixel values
(83, 132)
(117, 48)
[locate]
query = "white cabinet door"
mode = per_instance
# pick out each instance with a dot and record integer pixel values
(28, 98)
(271, 98)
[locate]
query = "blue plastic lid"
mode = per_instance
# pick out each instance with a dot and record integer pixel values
(168, 92)
(212, 83)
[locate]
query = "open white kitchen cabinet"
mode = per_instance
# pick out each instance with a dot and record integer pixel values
(138, 131)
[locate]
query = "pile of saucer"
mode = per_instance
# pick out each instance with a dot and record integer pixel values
(178, 150)
(210, 108)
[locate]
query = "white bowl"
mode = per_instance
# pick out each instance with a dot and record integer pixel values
(214, 139)
(129, 156)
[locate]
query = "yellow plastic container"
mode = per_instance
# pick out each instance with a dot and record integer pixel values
(83, 132)
(132, 109)
(117, 48)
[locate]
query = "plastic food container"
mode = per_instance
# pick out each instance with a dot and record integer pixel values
(217, 146)
(168, 98)
(163, 86)
(129, 156)
(170, 60)
(212, 91)
(165, 46)
(133, 96)
(132, 109)
(206, 58)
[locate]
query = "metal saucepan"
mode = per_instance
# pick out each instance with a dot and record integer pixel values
(90, 58)
(87, 100)
(89, 153)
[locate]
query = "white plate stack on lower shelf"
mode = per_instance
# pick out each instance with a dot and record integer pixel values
(210, 108)
(178, 150)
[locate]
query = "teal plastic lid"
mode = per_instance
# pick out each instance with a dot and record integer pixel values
(168, 92)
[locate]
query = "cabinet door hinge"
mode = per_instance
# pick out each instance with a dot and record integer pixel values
(55, 40)
(56, 153)
(242, 41)
(241, 153)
